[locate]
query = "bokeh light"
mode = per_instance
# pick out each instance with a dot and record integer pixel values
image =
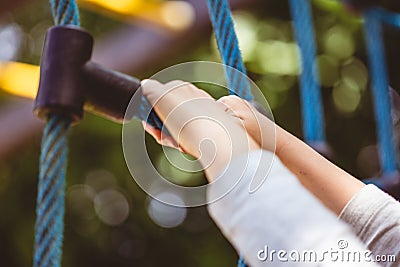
(274, 29)
(275, 88)
(338, 42)
(108, 217)
(100, 180)
(167, 168)
(178, 15)
(172, 15)
(165, 215)
(277, 83)
(368, 161)
(245, 23)
(79, 204)
(111, 207)
(129, 241)
(35, 37)
(278, 57)
(328, 70)
(355, 73)
(11, 37)
(19, 78)
(346, 97)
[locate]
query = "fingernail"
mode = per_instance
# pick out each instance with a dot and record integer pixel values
(168, 142)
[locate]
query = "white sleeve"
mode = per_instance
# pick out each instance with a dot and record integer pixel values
(375, 218)
(281, 224)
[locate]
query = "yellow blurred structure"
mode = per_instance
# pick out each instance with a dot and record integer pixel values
(174, 15)
(123, 7)
(19, 78)
(22, 79)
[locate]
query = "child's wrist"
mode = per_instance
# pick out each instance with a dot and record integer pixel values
(224, 155)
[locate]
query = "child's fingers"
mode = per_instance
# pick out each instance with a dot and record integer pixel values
(227, 109)
(242, 110)
(231, 101)
(162, 139)
(259, 127)
(240, 107)
(152, 90)
(176, 84)
(231, 105)
(170, 142)
(152, 131)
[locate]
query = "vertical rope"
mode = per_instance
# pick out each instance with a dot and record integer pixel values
(241, 262)
(386, 16)
(380, 93)
(65, 12)
(312, 111)
(146, 113)
(228, 45)
(51, 186)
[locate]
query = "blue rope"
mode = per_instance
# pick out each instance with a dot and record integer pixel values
(51, 191)
(380, 92)
(228, 46)
(221, 18)
(147, 113)
(312, 111)
(53, 161)
(241, 262)
(65, 12)
(386, 16)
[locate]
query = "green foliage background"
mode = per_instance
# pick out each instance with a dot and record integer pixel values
(95, 144)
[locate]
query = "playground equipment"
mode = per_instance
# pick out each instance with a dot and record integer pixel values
(67, 74)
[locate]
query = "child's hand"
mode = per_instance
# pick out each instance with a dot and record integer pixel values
(330, 184)
(201, 126)
(258, 126)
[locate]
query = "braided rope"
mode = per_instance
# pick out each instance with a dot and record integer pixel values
(386, 16)
(241, 262)
(50, 199)
(312, 111)
(147, 113)
(51, 187)
(228, 45)
(380, 91)
(65, 12)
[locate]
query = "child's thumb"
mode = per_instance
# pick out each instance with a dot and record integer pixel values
(152, 90)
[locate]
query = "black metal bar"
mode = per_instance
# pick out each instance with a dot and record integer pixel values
(69, 81)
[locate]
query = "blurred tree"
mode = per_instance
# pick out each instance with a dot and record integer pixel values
(107, 220)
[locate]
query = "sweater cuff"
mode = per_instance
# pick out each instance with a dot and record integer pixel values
(368, 202)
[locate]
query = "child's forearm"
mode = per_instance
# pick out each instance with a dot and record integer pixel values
(333, 186)
(330, 184)
(280, 216)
